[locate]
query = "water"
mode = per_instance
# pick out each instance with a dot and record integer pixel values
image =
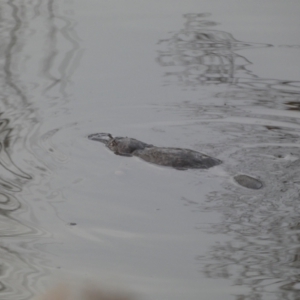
(217, 77)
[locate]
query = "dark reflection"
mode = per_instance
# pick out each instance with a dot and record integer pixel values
(72, 56)
(293, 105)
(23, 24)
(5, 159)
(206, 56)
(199, 55)
(262, 252)
(270, 93)
(13, 41)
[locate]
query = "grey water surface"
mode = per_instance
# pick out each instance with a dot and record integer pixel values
(218, 77)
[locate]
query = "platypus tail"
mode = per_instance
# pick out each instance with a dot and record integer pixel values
(100, 137)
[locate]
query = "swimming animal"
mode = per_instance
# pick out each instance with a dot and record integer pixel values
(178, 158)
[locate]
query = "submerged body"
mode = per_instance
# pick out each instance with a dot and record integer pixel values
(178, 158)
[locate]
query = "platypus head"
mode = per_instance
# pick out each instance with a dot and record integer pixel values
(114, 144)
(100, 137)
(119, 145)
(124, 146)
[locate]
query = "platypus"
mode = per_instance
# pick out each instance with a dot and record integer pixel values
(178, 158)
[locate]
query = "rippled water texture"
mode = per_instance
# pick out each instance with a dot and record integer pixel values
(217, 77)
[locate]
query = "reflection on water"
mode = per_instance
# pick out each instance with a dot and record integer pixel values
(26, 26)
(205, 56)
(70, 59)
(270, 93)
(5, 160)
(199, 55)
(293, 105)
(262, 229)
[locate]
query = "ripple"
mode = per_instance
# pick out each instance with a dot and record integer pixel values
(5, 159)
(18, 271)
(48, 145)
(8, 202)
(6, 185)
(36, 38)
